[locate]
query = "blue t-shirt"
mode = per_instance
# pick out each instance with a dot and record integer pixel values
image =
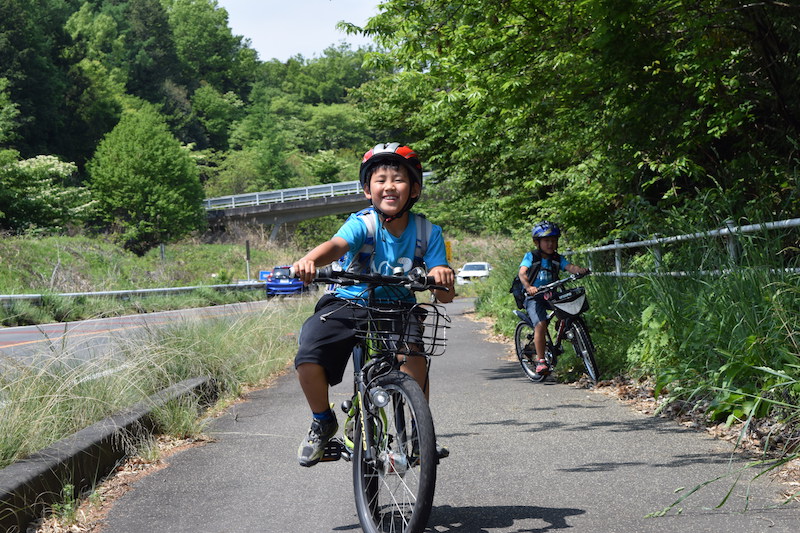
(545, 275)
(390, 252)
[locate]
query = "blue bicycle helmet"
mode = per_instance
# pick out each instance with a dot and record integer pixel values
(545, 229)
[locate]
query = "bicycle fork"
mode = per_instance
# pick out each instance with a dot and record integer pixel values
(342, 448)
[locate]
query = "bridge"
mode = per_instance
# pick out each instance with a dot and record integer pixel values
(276, 208)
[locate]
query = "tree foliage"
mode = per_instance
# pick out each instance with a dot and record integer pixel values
(35, 194)
(610, 117)
(588, 112)
(70, 70)
(145, 183)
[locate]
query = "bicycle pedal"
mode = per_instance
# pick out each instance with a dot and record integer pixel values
(334, 451)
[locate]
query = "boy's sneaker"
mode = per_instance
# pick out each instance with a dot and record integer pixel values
(312, 448)
(542, 367)
(441, 452)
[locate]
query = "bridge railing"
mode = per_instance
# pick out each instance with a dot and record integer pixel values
(342, 188)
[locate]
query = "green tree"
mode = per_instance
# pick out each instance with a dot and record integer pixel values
(217, 112)
(603, 114)
(31, 36)
(97, 77)
(152, 56)
(35, 195)
(332, 127)
(207, 49)
(145, 182)
(8, 114)
(328, 166)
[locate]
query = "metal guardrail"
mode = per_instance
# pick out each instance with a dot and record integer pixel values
(729, 232)
(37, 298)
(343, 188)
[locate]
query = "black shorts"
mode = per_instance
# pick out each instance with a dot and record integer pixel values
(328, 336)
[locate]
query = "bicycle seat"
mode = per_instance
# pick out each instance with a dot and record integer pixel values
(523, 316)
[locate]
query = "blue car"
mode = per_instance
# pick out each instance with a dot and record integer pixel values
(279, 282)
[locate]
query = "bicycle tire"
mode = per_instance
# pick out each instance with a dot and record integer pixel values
(523, 342)
(395, 493)
(584, 348)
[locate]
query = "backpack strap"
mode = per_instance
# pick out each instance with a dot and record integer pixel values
(363, 259)
(424, 230)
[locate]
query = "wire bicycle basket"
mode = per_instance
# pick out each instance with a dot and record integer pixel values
(412, 329)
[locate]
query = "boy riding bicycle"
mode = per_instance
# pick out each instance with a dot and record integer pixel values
(378, 239)
(540, 267)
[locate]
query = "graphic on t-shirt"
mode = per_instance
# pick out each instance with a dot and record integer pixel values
(386, 269)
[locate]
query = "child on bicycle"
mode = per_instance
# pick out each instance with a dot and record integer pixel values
(540, 267)
(391, 177)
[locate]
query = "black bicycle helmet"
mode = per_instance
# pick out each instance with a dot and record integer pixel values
(392, 153)
(545, 229)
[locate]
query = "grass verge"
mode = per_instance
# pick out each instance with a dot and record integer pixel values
(58, 393)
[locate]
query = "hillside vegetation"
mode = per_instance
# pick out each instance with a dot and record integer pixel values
(63, 264)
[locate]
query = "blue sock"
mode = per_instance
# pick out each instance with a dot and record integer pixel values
(324, 416)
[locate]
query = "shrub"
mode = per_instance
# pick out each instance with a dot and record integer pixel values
(145, 183)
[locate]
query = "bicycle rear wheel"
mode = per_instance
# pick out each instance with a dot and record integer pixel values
(584, 348)
(394, 493)
(526, 351)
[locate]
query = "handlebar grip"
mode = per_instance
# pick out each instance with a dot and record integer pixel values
(430, 282)
(325, 272)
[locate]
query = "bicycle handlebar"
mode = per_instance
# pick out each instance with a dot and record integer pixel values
(414, 280)
(558, 283)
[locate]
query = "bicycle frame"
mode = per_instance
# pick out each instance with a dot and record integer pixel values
(561, 326)
(389, 434)
(369, 364)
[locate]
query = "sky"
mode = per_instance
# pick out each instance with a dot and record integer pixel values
(280, 29)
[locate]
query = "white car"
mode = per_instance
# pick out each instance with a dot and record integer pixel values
(472, 271)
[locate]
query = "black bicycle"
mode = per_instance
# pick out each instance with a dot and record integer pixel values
(566, 306)
(388, 433)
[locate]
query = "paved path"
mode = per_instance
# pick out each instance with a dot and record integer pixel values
(524, 458)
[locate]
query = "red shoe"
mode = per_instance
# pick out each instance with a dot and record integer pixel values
(542, 368)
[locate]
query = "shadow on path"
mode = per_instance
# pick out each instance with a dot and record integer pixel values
(449, 519)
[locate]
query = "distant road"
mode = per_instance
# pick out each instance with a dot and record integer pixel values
(88, 337)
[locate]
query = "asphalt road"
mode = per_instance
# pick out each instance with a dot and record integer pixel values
(86, 339)
(524, 457)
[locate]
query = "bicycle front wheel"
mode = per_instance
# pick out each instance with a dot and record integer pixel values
(526, 351)
(394, 491)
(584, 348)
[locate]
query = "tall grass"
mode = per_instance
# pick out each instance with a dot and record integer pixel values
(724, 343)
(58, 393)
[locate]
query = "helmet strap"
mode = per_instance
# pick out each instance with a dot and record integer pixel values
(387, 218)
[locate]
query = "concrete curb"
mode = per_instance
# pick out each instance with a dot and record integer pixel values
(28, 487)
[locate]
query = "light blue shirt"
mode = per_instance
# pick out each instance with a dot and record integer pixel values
(390, 252)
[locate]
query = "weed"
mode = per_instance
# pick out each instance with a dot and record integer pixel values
(67, 510)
